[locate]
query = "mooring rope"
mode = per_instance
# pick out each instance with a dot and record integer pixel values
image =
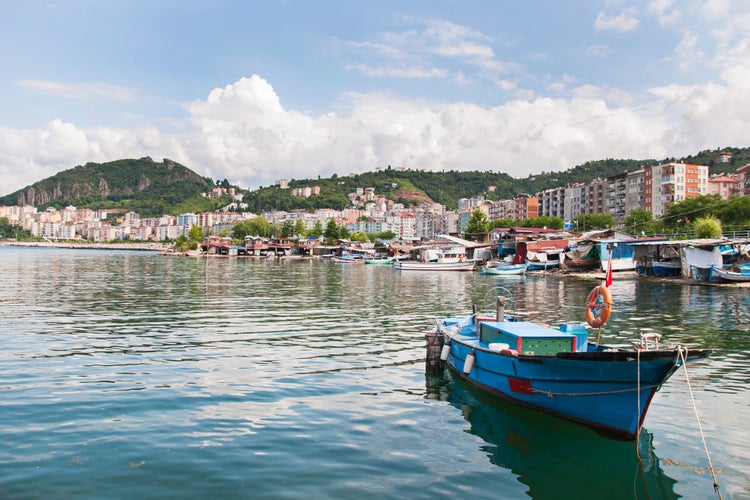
(552, 394)
(683, 354)
(638, 413)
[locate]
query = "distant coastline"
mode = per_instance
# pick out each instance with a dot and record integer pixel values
(142, 247)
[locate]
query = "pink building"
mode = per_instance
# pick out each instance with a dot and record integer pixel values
(724, 185)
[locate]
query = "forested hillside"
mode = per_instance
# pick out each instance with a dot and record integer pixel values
(152, 189)
(412, 186)
(143, 185)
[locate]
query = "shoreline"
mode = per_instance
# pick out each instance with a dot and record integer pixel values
(140, 247)
(168, 249)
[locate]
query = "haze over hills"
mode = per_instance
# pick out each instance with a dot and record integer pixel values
(153, 189)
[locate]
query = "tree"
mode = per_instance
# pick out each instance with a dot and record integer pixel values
(543, 221)
(251, 227)
(332, 230)
(639, 220)
(317, 230)
(361, 237)
(680, 214)
(299, 228)
(588, 222)
(707, 227)
(287, 229)
(195, 233)
(4, 227)
(386, 235)
(477, 225)
(735, 215)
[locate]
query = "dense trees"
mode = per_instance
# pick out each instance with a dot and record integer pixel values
(732, 214)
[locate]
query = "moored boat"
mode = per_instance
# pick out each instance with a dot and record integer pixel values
(543, 266)
(438, 258)
(741, 275)
(505, 270)
(348, 259)
(558, 370)
(412, 265)
(671, 267)
(383, 261)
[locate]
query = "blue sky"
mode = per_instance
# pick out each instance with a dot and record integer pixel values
(255, 91)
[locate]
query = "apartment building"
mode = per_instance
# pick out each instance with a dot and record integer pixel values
(724, 185)
(635, 190)
(551, 202)
(671, 183)
(575, 201)
(744, 177)
(595, 196)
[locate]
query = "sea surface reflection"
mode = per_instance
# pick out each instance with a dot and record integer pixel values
(134, 374)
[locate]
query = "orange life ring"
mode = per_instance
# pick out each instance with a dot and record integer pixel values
(598, 306)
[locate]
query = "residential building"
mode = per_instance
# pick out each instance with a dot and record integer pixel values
(635, 186)
(744, 177)
(724, 185)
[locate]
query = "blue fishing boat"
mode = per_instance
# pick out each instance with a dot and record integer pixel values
(543, 266)
(505, 269)
(558, 370)
(737, 274)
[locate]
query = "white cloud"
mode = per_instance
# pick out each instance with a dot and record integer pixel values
(599, 50)
(86, 91)
(421, 52)
(399, 72)
(687, 52)
(242, 132)
(623, 22)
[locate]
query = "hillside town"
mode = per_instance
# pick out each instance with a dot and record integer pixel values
(651, 188)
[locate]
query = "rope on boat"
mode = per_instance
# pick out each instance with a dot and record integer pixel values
(552, 394)
(683, 355)
(638, 410)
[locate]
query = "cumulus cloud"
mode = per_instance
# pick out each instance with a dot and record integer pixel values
(86, 91)
(622, 22)
(418, 52)
(599, 50)
(243, 132)
(687, 52)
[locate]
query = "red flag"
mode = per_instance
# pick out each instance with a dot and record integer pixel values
(608, 281)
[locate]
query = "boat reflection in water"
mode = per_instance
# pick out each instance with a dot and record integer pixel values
(553, 457)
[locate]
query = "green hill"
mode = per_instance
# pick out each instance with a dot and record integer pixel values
(152, 189)
(414, 186)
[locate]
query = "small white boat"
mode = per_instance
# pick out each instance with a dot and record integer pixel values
(438, 258)
(413, 265)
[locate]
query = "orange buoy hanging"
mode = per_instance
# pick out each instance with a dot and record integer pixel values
(598, 306)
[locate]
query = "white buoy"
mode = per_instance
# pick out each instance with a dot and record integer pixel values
(445, 352)
(469, 363)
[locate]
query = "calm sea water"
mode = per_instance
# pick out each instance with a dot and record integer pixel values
(134, 375)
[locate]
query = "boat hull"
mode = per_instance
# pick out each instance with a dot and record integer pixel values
(543, 266)
(716, 274)
(509, 270)
(380, 262)
(666, 268)
(609, 391)
(434, 266)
